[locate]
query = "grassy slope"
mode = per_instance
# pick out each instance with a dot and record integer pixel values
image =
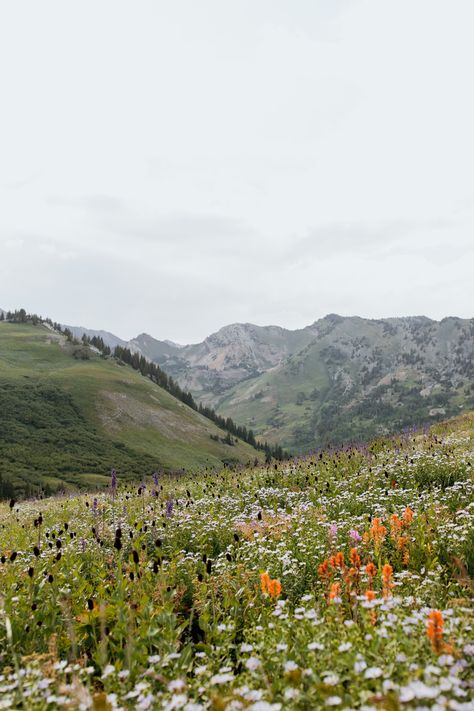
(70, 420)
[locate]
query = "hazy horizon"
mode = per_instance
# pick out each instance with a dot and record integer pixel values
(171, 168)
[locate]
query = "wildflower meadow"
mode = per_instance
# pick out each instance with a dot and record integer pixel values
(341, 580)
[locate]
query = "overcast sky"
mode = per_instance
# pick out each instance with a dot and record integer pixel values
(172, 167)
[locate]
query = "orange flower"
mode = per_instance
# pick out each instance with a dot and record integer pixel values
(269, 586)
(355, 557)
(395, 525)
(274, 588)
(407, 516)
(378, 531)
(434, 630)
(406, 558)
(370, 595)
(387, 571)
(339, 559)
(324, 569)
(401, 542)
(371, 570)
(334, 591)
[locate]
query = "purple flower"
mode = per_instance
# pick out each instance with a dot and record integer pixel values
(94, 506)
(83, 544)
(355, 535)
(169, 508)
(333, 530)
(113, 483)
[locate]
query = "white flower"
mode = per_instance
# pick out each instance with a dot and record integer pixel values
(200, 670)
(109, 669)
(344, 647)
(264, 706)
(253, 663)
(333, 701)
(221, 678)
(359, 666)
(281, 647)
(177, 702)
(315, 645)
(290, 666)
(246, 647)
(291, 693)
(373, 673)
(331, 679)
(176, 685)
(154, 659)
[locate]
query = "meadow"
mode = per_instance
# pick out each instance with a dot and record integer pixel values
(339, 580)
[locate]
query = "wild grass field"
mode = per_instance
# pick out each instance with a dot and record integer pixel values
(341, 580)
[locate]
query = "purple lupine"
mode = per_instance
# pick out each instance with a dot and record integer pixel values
(169, 508)
(155, 483)
(95, 506)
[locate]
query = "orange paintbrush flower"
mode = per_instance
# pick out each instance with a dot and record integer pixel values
(371, 570)
(264, 582)
(387, 572)
(378, 531)
(434, 630)
(269, 586)
(407, 516)
(354, 557)
(339, 559)
(334, 591)
(395, 525)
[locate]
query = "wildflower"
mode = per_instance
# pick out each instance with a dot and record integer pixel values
(395, 525)
(332, 530)
(113, 483)
(373, 673)
(169, 508)
(355, 535)
(355, 558)
(269, 586)
(335, 591)
(371, 570)
(408, 516)
(339, 559)
(434, 630)
(378, 531)
(253, 663)
(387, 571)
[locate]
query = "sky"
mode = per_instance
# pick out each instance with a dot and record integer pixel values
(173, 167)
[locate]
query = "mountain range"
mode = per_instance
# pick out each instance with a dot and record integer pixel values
(338, 379)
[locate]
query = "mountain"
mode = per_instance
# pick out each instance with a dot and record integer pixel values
(109, 338)
(68, 416)
(339, 379)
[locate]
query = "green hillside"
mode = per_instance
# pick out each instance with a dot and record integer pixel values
(68, 415)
